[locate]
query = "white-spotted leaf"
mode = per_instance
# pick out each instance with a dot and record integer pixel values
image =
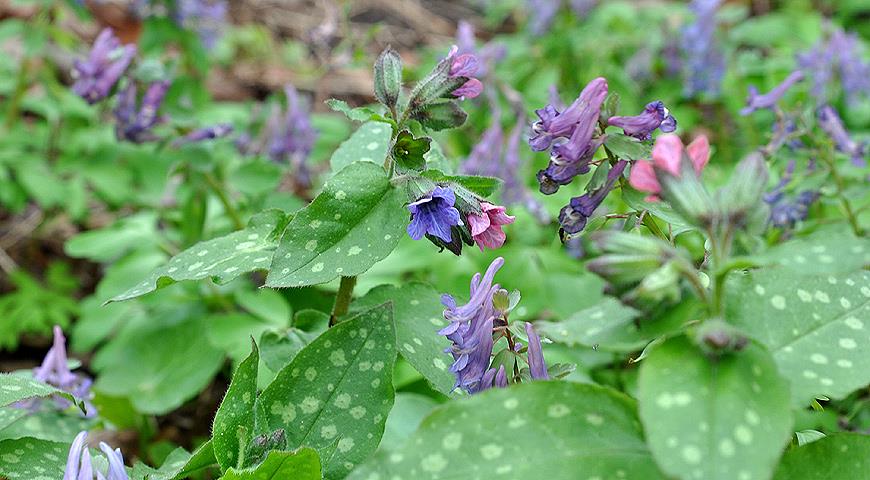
(17, 387)
(369, 143)
(816, 327)
(234, 421)
(709, 418)
(547, 430)
(355, 222)
(32, 459)
(303, 464)
(336, 394)
(221, 259)
(838, 456)
(821, 253)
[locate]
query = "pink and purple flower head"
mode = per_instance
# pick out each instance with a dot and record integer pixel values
(464, 65)
(80, 465)
(108, 59)
(434, 214)
(667, 154)
(486, 227)
(654, 116)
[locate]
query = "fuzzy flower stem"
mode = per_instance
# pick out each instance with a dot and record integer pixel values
(342, 299)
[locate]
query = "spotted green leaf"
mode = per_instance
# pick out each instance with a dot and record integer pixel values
(159, 365)
(355, 222)
(418, 312)
(336, 394)
(32, 459)
(369, 143)
(234, 420)
(841, 455)
(48, 425)
(816, 327)
(303, 464)
(823, 252)
(713, 419)
(221, 259)
(16, 387)
(483, 186)
(10, 415)
(550, 430)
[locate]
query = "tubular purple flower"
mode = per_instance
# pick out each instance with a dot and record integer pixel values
(55, 371)
(582, 114)
(494, 378)
(831, 124)
(108, 60)
(655, 115)
(79, 465)
(292, 135)
(704, 62)
(434, 214)
(537, 365)
(757, 101)
(574, 216)
(135, 126)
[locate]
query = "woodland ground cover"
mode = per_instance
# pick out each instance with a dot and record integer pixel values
(524, 239)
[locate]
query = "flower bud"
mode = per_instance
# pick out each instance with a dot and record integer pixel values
(742, 196)
(716, 336)
(388, 77)
(440, 115)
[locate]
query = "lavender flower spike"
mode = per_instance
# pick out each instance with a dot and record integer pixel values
(705, 63)
(831, 123)
(582, 114)
(79, 465)
(434, 214)
(55, 371)
(757, 101)
(293, 136)
(537, 365)
(107, 61)
(135, 125)
(655, 115)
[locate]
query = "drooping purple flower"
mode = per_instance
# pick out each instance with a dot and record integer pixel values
(134, 122)
(494, 378)
(578, 122)
(470, 330)
(574, 216)
(831, 123)
(655, 115)
(757, 101)
(464, 65)
(292, 136)
(206, 133)
(108, 60)
(434, 214)
(80, 466)
(55, 371)
(704, 64)
(206, 17)
(537, 365)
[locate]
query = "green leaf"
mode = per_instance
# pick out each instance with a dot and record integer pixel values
(837, 456)
(627, 148)
(48, 425)
(816, 327)
(278, 348)
(303, 464)
(359, 114)
(173, 463)
(823, 252)
(234, 420)
(222, 259)
(409, 151)
(32, 459)
(369, 143)
(612, 326)
(550, 430)
(337, 392)
(15, 387)
(10, 415)
(418, 312)
(406, 415)
(712, 419)
(635, 200)
(355, 222)
(483, 186)
(160, 365)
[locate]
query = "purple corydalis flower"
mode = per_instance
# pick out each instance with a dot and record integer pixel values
(434, 214)
(135, 125)
(786, 211)
(574, 216)
(470, 329)
(831, 123)
(537, 365)
(205, 17)
(494, 378)
(757, 101)
(655, 115)
(107, 61)
(55, 371)
(292, 135)
(837, 54)
(704, 62)
(79, 464)
(206, 133)
(582, 114)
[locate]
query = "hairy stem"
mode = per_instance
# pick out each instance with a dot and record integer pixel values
(342, 299)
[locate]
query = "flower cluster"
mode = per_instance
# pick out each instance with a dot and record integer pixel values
(55, 371)
(135, 118)
(787, 210)
(464, 66)
(704, 63)
(471, 331)
(667, 157)
(106, 63)
(838, 54)
(757, 101)
(80, 465)
(205, 17)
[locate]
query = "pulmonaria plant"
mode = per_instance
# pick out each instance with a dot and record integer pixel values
(434, 214)
(667, 158)
(107, 62)
(475, 327)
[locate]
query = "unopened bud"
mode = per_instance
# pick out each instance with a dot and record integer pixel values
(388, 77)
